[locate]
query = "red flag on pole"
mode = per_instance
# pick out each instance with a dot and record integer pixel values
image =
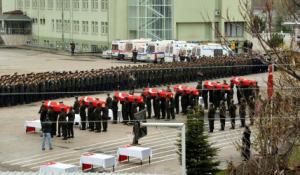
(270, 82)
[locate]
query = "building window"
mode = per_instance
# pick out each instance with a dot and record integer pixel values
(67, 26)
(94, 27)
(42, 21)
(58, 4)
(85, 4)
(94, 4)
(66, 4)
(58, 25)
(42, 4)
(75, 4)
(104, 27)
(27, 4)
(34, 4)
(50, 4)
(104, 5)
(76, 26)
(85, 27)
(234, 29)
(52, 25)
(20, 4)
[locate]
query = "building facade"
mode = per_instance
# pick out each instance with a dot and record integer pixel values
(93, 24)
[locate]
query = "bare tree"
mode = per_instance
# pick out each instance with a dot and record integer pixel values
(277, 122)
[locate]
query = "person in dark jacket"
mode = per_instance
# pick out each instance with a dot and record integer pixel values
(47, 130)
(71, 119)
(83, 115)
(177, 96)
(232, 113)
(53, 118)
(105, 117)
(91, 117)
(76, 106)
(246, 143)
(62, 123)
(222, 115)
(109, 101)
(98, 118)
(115, 110)
(149, 105)
(211, 117)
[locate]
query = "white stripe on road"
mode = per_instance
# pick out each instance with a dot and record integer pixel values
(74, 151)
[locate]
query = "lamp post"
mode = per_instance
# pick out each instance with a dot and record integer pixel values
(62, 25)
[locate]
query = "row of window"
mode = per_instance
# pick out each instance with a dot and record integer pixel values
(58, 26)
(65, 4)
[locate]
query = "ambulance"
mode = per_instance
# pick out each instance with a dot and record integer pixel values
(172, 49)
(122, 49)
(211, 50)
(151, 50)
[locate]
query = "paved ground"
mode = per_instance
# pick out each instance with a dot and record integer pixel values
(21, 151)
(26, 61)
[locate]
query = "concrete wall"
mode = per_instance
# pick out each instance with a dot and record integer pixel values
(15, 40)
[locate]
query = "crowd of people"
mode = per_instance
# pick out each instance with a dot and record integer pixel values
(26, 88)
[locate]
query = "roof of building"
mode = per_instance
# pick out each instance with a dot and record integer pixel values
(16, 15)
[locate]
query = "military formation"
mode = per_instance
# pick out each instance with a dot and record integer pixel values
(26, 88)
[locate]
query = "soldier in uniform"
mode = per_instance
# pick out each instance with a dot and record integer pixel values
(62, 121)
(71, 119)
(104, 117)
(172, 107)
(98, 118)
(156, 106)
(125, 110)
(109, 101)
(76, 106)
(83, 115)
(115, 110)
(242, 112)
(149, 105)
(163, 107)
(177, 96)
(211, 117)
(222, 115)
(232, 113)
(184, 102)
(133, 110)
(91, 117)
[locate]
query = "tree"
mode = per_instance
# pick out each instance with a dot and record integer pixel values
(259, 24)
(277, 120)
(200, 155)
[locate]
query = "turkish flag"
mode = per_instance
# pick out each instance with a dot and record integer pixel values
(270, 82)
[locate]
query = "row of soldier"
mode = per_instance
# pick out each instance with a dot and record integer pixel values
(19, 89)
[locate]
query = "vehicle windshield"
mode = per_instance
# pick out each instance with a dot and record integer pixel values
(141, 50)
(129, 47)
(151, 49)
(115, 47)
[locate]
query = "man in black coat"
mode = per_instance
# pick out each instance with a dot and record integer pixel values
(91, 117)
(53, 118)
(109, 101)
(156, 106)
(71, 119)
(163, 107)
(115, 110)
(76, 106)
(105, 117)
(211, 117)
(232, 113)
(98, 118)
(83, 115)
(177, 96)
(149, 106)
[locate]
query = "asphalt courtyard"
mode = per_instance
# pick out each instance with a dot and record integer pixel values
(22, 152)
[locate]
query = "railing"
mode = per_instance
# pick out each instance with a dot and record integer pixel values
(15, 31)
